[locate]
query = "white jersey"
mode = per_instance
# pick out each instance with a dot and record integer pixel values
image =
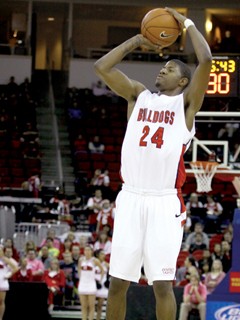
(155, 141)
(4, 274)
(87, 282)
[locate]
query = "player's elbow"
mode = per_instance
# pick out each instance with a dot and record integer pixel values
(99, 67)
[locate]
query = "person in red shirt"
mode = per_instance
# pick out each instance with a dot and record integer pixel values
(194, 297)
(23, 274)
(55, 280)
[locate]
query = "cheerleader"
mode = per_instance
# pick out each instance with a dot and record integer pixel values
(87, 287)
(102, 290)
(7, 269)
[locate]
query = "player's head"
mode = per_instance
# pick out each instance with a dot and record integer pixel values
(175, 74)
(184, 69)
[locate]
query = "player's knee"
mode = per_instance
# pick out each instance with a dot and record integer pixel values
(118, 286)
(162, 288)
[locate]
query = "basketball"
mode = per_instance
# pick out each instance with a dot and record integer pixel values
(160, 27)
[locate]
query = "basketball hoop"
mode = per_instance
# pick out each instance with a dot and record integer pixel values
(204, 172)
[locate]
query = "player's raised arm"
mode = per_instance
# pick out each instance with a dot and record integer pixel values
(195, 92)
(113, 77)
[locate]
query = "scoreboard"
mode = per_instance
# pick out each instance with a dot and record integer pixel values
(224, 77)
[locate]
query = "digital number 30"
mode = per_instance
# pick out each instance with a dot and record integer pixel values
(219, 83)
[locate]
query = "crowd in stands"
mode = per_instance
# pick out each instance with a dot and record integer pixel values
(19, 141)
(96, 131)
(63, 262)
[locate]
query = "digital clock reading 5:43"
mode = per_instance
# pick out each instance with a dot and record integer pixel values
(223, 78)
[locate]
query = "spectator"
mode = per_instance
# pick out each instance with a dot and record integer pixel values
(105, 216)
(193, 207)
(51, 233)
(214, 209)
(75, 257)
(206, 260)
(96, 146)
(103, 243)
(229, 43)
(52, 251)
(61, 206)
(228, 236)
(35, 265)
(82, 243)
(94, 205)
(7, 269)
(66, 248)
(226, 257)
(193, 202)
(25, 87)
(44, 257)
(87, 287)
(69, 269)
(75, 253)
(55, 280)
(217, 252)
(8, 243)
(31, 150)
(100, 179)
(74, 113)
(198, 228)
(12, 88)
(198, 244)
(182, 274)
(9, 254)
(29, 134)
(215, 276)
(34, 185)
(205, 269)
(227, 131)
(194, 297)
(23, 274)
(80, 144)
(103, 280)
(72, 237)
(29, 245)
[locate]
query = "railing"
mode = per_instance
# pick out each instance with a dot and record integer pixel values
(8, 49)
(36, 232)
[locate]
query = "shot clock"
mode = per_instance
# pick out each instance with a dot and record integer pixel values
(223, 80)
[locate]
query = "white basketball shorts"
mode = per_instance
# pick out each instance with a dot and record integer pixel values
(147, 232)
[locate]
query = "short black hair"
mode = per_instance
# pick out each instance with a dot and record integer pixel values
(184, 69)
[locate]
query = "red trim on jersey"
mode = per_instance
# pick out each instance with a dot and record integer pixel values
(181, 177)
(87, 268)
(183, 222)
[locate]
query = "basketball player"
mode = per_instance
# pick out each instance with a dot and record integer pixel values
(150, 211)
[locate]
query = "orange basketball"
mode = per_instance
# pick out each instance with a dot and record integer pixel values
(160, 27)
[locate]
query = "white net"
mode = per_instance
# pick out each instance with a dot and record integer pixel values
(204, 172)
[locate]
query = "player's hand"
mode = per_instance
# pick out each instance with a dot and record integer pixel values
(178, 16)
(148, 45)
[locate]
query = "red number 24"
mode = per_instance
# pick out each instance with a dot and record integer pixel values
(157, 137)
